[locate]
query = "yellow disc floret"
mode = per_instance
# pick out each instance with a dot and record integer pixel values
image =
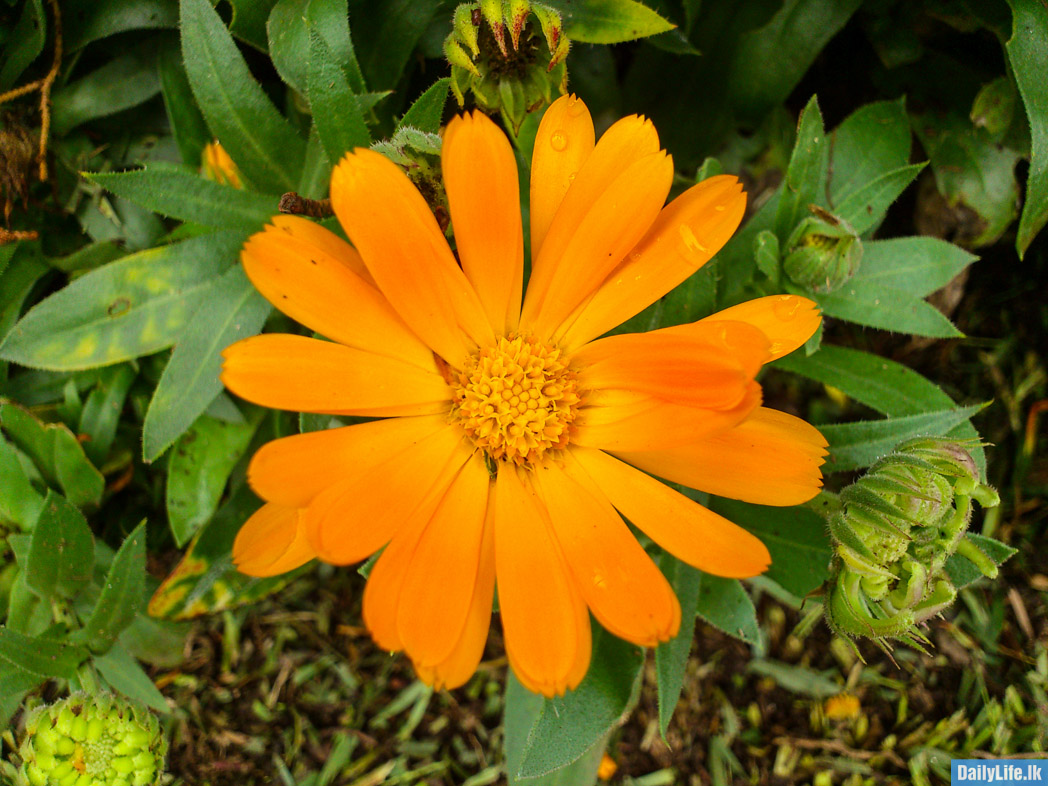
(516, 399)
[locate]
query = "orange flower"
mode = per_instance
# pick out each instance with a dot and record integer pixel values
(510, 440)
(215, 164)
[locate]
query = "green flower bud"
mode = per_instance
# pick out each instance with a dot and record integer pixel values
(822, 253)
(91, 741)
(513, 74)
(892, 535)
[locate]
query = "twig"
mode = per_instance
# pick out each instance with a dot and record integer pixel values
(836, 746)
(45, 91)
(14, 235)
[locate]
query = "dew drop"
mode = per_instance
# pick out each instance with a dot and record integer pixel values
(571, 177)
(559, 141)
(690, 241)
(719, 208)
(785, 307)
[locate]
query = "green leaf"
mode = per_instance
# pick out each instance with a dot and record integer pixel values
(608, 21)
(1028, 57)
(864, 208)
(873, 141)
(915, 265)
(857, 445)
(316, 172)
(888, 309)
(20, 503)
(17, 280)
(804, 174)
(125, 81)
(387, 32)
(205, 581)
(61, 552)
(260, 141)
(428, 110)
(23, 44)
(963, 572)
(232, 310)
(971, 170)
(124, 674)
(97, 19)
(102, 410)
(877, 382)
(671, 657)
(522, 709)
(123, 594)
(796, 679)
(590, 711)
(187, 123)
(178, 193)
(725, 604)
(14, 684)
(200, 465)
(57, 454)
(39, 656)
(249, 21)
(336, 111)
(132, 307)
(796, 537)
(288, 29)
(791, 40)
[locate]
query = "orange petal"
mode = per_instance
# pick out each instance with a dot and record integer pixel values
(381, 605)
(617, 220)
(272, 541)
(440, 581)
(601, 207)
(323, 293)
(770, 459)
(563, 143)
(622, 586)
(293, 470)
(681, 526)
(308, 375)
(312, 235)
(544, 619)
(710, 365)
(684, 237)
(393, 229)
(480, 176)
(355, 517)
(641, 422)
(787, 320)
(460, 665)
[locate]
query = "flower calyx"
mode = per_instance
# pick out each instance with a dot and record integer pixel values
(822, 253)
(892, 535)
(98, 740)
(510, 54)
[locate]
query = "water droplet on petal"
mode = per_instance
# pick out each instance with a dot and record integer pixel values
(571, 177)
(690, 241)
(785, 307)
(719, 208)
(558, 141)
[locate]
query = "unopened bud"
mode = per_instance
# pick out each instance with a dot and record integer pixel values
(512, 78)
(895, 529)
(822, 253)
(215, 164)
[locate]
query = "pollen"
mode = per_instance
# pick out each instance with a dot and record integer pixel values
(516, 400)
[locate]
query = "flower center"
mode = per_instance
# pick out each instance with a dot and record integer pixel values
(516, 399)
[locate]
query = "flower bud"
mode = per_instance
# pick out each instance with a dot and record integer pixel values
(893, 533)
(822, 253)
(512, 74)
(215, 164)
(92, 741)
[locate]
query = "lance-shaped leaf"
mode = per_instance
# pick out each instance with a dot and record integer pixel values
(257, 137)
(39, 655)
(61, 552)
(123, 595)
(608, 21)
(131, 307)
(800, 188)
(176, 192)
(337, 113)
(671, 657)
